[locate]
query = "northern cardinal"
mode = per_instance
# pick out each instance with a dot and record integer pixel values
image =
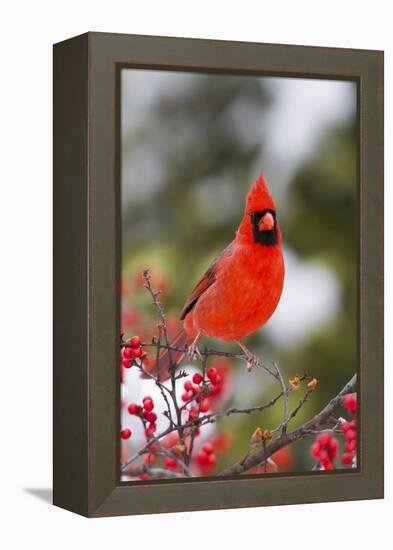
(242, 287)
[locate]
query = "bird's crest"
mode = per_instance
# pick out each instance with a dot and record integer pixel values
(259, 197)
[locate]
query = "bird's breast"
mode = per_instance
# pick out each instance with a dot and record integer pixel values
(247, 290)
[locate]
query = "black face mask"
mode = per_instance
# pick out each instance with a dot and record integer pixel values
(265, 237)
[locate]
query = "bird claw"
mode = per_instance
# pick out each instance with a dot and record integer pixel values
(193, 352)
(252, 361)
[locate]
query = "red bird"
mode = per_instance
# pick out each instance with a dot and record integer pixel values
(242, 287)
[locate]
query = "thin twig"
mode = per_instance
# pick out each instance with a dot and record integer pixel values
(172, 367)
(206, 352)
(285, 395)
(195, 428)
(304, 400)
(177, 459)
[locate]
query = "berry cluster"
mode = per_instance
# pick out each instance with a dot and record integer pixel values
(170, 463)
(349, 430)
(350, 403)
(146, 414)
(324, 450)
(221, 381)
(131, 349)
(198, 392)
(206, 458)
(207, 454)
(202, 394)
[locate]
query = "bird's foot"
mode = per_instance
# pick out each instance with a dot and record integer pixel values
(252, 360)
(193, 351)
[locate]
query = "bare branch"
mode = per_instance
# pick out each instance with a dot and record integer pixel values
(303, 431)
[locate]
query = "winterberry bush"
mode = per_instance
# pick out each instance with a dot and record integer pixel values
(180, 425)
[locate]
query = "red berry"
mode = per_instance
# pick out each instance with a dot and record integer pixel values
(350, 446)
(211, 459)
(202, 458)
(188, 386)
(332, 453)
(315, 449)
(126, 363)
(126, 433)
(128, 353)
(197, 378)
(324, 439)
(148, 405)
(208, 447)
(346, 459)
(323, 455)
(170, 463)
(150, 416)
(350, 435)
(216, 389)
(217, 380)
(135, 342)
(187, 396)
(328, 465)
(136, 352)
(150, 430)
(350, 403)
(333, 446)
(193, 414)
(134, 409)
(144, 477)
(205, 405)
(212, 374)
(149, 459)
(147, 398)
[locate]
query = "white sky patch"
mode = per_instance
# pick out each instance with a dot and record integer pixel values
(310, 298)
(301, 112)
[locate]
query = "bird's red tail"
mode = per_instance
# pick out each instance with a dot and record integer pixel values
(166, 358)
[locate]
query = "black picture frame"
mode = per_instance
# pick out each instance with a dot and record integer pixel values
(87, 268)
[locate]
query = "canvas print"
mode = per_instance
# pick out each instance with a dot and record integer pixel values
(239, 294)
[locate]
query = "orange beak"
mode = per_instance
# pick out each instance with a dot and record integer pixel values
(266, 223)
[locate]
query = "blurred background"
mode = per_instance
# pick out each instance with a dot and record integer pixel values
(192, 145)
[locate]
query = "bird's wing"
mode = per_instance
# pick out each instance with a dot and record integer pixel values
(205, 282)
